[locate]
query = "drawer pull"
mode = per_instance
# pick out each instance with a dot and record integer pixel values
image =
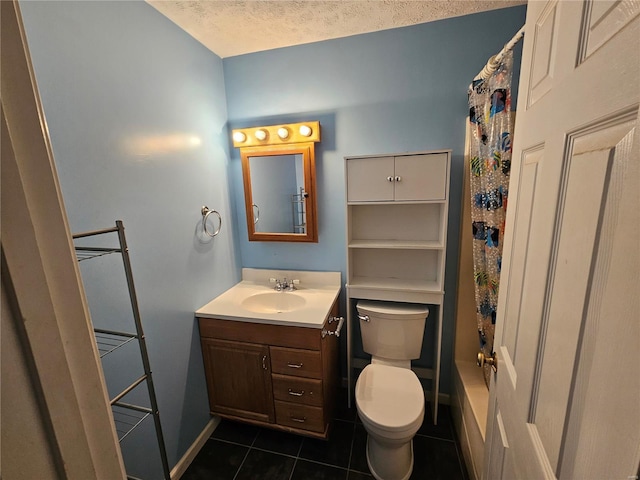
(264, 362)
(294, 365)
(299, 420)
(296, 394)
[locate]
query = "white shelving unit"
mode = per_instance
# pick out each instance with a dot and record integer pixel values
(396, 238)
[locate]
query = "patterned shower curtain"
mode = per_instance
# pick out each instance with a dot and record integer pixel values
(490, 117)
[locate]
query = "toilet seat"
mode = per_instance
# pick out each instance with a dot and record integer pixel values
(390, 398)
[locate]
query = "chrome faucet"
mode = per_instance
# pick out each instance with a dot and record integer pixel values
(284, 285)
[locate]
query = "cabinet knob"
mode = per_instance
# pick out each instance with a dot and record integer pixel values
(398, 178)
(390, 179)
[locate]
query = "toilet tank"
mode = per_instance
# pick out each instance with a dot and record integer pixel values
(394, 330)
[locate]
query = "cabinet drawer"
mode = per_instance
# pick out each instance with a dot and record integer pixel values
(292, 361)
(299, 416)
(297, 390)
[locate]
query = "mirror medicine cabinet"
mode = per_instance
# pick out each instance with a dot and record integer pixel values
(278, 170)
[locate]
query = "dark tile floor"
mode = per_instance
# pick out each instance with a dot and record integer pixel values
(238, 451)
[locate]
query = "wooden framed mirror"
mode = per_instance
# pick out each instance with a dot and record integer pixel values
(279, 183)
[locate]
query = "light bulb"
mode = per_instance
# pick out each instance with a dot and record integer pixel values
(261, 134)
(305, 130)
(239, 137)
(283, 133)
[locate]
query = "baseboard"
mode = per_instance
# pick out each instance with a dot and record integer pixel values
(192, 451)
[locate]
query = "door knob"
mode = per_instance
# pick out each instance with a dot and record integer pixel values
(492, 360)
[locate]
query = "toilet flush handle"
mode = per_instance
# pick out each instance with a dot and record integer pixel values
(364, 318)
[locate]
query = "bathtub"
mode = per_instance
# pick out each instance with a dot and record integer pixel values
(469, 405)
(470, 397)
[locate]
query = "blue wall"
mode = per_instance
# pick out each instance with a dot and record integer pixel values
(400, 90)
(137, 117)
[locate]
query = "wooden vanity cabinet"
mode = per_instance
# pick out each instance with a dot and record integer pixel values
(282, 377)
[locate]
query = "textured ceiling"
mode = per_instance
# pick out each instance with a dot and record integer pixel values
(231, 27)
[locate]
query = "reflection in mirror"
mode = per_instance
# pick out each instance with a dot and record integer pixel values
(277, 186)
(279, 183)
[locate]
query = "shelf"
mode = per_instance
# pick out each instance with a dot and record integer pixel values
(395, 284)
(398, 202)
(127, 419)
(109, 341)
(397, 244)
(86, 253)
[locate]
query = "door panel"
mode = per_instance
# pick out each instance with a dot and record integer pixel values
(564, 400)
(523, 236)
(544, 38)
(587, 179)
(602, 20)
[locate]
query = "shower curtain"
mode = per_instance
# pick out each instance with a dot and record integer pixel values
(490, 117)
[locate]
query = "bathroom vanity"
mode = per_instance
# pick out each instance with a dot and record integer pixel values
(271, 357)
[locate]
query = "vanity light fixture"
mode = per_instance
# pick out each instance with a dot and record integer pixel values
(239, 137)
(283, 133)
(305, 130)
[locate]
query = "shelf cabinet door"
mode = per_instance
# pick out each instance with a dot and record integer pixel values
(368, 179)
(239, 379)
(402, 179)
(420, 177)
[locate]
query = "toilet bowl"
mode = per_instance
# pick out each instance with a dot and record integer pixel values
(390, 403)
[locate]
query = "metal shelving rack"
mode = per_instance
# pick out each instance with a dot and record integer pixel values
(298, 211)
(126, 416)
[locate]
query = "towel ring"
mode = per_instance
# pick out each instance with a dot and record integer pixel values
(205, 214)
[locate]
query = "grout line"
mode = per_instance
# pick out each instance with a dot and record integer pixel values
(435, 438)
(353, 440)
(324, 464)
(275, 453)
(461, 463)
(231, 442)
(295, 462)
(242, 463)
(246, 454)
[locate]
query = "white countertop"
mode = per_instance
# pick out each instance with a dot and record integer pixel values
(318, 289)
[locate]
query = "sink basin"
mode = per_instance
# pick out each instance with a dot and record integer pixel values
(273, 302)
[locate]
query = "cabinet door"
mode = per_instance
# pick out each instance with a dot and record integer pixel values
(238, 379)
(421, 177)
(368, 179)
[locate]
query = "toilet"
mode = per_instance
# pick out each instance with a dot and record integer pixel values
(389, 396)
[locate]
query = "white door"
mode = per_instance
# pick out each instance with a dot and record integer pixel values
(565, 402)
